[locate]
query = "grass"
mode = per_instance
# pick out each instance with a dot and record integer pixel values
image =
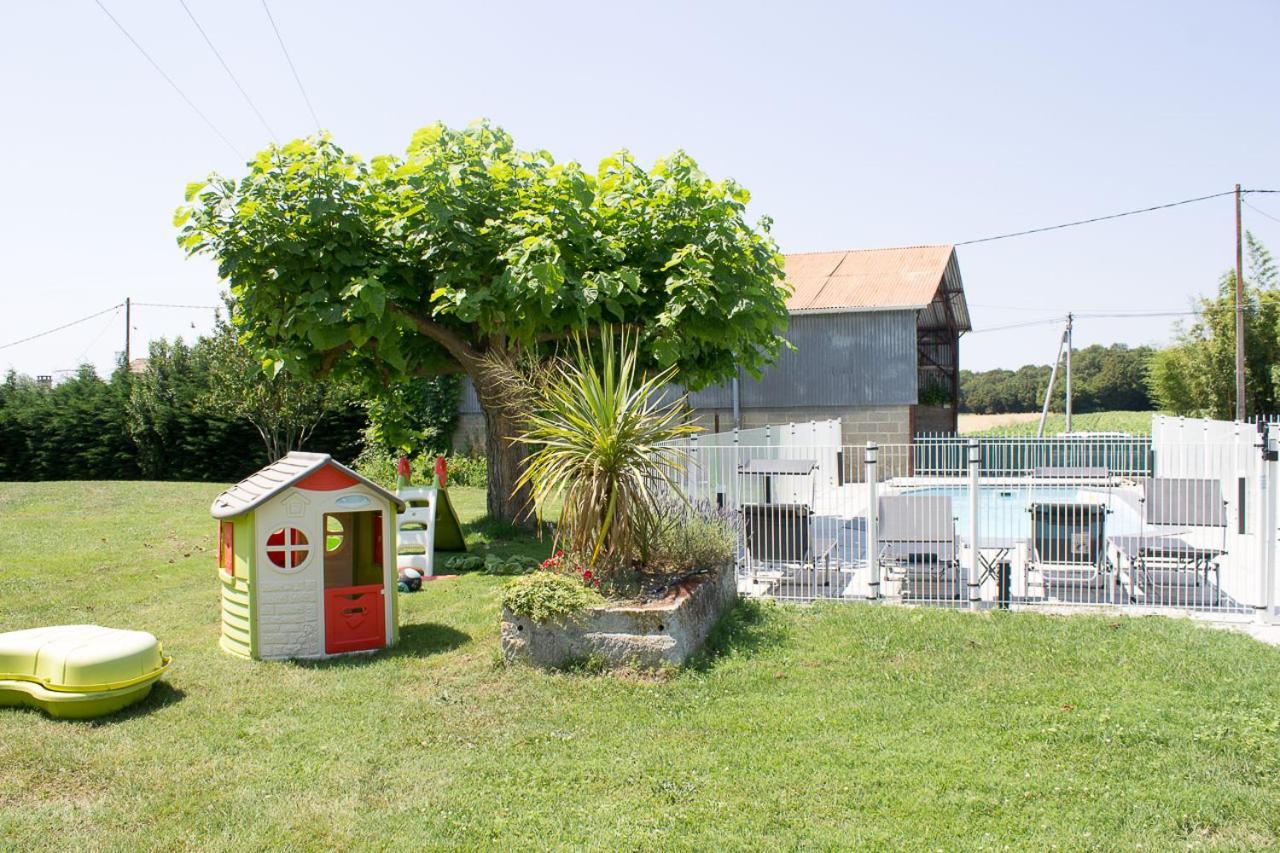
(831, 726)
(1118, 421)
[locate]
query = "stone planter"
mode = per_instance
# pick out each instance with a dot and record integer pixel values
(647, 636)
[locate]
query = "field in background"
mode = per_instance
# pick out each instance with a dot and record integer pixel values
(1025, 423)
(809, 727)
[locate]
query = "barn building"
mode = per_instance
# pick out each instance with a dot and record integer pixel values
(877, 341)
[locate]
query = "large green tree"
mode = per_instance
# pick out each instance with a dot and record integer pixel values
(1196, 375)
(467, 247)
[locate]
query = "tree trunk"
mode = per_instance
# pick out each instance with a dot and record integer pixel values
(503, 459)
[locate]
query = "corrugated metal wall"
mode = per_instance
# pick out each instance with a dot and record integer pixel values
(468, 403)
(863, 358)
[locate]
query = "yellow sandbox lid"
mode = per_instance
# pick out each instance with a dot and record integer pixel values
(80, 658)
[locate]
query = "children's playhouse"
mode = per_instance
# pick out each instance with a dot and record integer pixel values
(306, 557)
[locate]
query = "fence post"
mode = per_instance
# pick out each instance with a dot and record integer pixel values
(975, 470)
(691, 474)
(873, 525)
(1268, 525)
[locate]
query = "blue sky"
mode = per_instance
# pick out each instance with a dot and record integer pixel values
(854, 125)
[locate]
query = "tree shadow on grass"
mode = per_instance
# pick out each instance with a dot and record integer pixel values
(417, 640)
(487, 535)
(749, 627)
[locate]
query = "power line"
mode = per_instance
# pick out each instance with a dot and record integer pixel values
(227, 68)
(97, 337)
(63, 326)
(1027, 324)
(172, 305)
(1133, 314)
(1260, 210)
(1061, 312)
(1110, 315)
(1099, 218)
(169, 80)
(292, 68)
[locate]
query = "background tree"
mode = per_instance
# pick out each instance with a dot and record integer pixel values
(148, 424)
(468, 246)
(1196, 375)
(285, 410)
(419, 413)
(175, 440)
(76, 429)
(1104, 378)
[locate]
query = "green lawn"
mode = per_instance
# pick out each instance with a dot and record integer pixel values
(809, 727)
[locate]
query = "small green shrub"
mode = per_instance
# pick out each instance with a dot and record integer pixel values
(464, 563)
(685, 538)
(512, 565)
(491, 564)
(465, 470)
(546, 596)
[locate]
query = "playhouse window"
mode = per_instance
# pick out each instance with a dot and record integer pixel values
(335, 535)
(226, 547)
(287, 547)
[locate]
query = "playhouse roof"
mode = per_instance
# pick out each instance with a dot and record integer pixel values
(257, 488)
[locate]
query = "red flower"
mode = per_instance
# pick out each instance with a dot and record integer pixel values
(586, 577)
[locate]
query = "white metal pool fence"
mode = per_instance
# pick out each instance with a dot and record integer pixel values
(1106, 521)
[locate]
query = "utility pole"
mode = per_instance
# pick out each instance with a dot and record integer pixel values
(127, 327)
(1240, 411)
(1053, 375)
(1068, 407)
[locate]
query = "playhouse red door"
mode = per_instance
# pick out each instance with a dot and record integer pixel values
(354, 619)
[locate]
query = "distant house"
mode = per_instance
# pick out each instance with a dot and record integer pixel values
(877, 337)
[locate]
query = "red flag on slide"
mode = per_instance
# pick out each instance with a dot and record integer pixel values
(442, 470)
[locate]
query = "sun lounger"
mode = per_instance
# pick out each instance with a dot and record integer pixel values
(1163, 564)
(1067, 548)
(780, 544)
(917, 543)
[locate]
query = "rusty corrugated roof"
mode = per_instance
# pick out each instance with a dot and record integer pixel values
(866, 278)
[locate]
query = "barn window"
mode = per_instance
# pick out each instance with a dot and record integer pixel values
(287, 548)
(227, 547)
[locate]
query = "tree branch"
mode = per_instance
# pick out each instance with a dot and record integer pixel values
(330, 357)
(457, 346)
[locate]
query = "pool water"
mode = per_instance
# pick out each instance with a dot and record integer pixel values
(1004, 511)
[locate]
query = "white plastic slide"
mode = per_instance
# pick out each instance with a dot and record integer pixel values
(416, 529)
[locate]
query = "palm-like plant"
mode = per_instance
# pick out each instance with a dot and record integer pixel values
(597, 429)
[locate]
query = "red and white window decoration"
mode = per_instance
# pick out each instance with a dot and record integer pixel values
(287, 548)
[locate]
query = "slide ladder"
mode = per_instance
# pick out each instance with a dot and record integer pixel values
(416, 529)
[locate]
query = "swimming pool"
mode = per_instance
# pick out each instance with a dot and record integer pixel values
(1004, 511)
